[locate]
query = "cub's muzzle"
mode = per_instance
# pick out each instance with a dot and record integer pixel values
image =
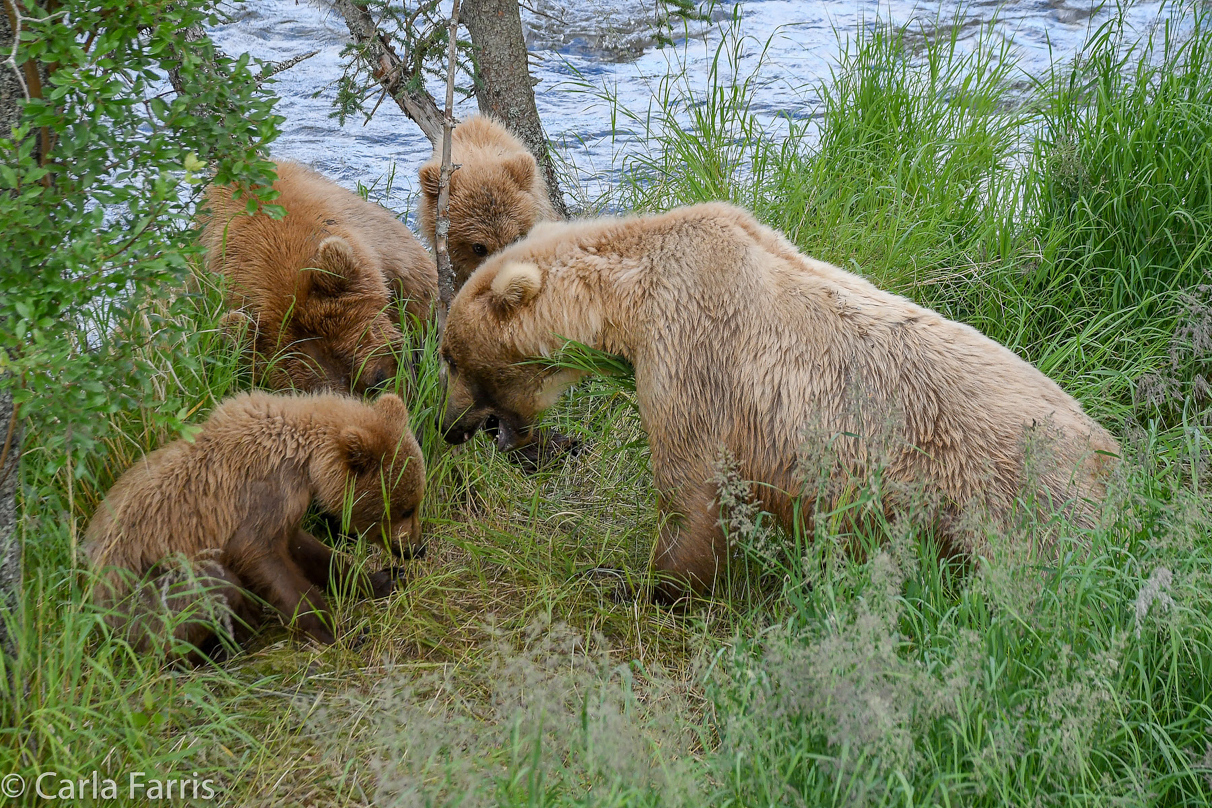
(408, 543)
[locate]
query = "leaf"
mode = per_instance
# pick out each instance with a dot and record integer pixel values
(192, 164)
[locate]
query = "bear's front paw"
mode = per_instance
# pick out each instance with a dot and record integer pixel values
(384, 582)
(357, 638)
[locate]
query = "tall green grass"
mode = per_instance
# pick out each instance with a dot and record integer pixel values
(1068, 222)
(1064, 220)
(837, 668)
(1076, 681)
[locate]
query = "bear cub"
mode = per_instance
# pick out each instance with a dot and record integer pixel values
(497, 193)
(196, 527)
(316, 286)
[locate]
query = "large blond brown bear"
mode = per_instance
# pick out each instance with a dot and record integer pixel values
(742, 345)
(497, 193)
(317, 285)
(223, 511)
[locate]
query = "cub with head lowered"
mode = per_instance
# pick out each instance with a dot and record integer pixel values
(497, 194)
(741, 347)
(316, 286)
(192, 528)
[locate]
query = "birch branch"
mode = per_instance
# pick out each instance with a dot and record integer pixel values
(387, 68)
(274, 68)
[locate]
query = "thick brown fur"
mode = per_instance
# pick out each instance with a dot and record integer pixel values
(497, 193)
(745, 348)
(317, 284)
(223, 511)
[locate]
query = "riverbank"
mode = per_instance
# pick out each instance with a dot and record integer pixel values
(837, 668)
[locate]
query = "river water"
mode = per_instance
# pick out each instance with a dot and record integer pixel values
(586, 52)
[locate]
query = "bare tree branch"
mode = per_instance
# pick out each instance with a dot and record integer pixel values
(442, 225)
(391, 73)
(274, 68)
(195, 33)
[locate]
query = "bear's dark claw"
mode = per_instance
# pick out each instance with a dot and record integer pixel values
(383, 582)
(544, 448)
(623, 591)
(410, 553)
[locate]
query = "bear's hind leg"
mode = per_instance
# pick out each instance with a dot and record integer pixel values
(239, 620)
(203, 602)
(691, 547)
(245, 610)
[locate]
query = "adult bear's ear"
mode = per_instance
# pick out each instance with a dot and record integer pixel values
(520, 169)
(363, 452)
(515, 284)
(430, 175)
(392, 409)
(335, 269)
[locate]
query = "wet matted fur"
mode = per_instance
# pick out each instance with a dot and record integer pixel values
(742, 345)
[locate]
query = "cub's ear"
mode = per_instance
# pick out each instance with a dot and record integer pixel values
(430, 175)
(521, 168)
(391, 409)
(363, 452)
(336, 267)
(516, 284)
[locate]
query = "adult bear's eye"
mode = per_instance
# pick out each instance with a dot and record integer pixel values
(479, 249)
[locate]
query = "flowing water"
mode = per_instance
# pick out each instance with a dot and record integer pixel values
(588, 51)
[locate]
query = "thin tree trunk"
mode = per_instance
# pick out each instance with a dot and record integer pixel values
(12, 77)
(189, 36)
(389, 70)
(442, 227)
(10, 536)
(503, 86)
(18, 82)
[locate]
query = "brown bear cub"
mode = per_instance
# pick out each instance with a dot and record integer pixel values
(746, 349)
(317, 284)
(496, 195)
(197, 525)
